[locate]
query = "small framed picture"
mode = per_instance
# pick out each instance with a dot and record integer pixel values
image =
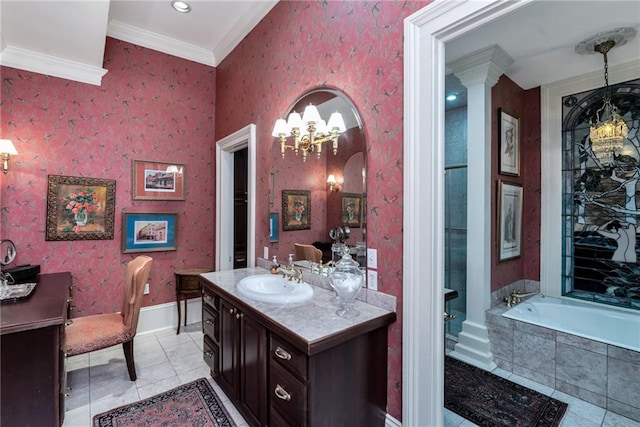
(80, 208)
(157, 181)
(351, 209)
(273, 227)
(149, 232)
(296, 210)
(509, 131)
(509, 220)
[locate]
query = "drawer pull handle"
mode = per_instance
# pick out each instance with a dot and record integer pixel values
(282, 354)
(232, 310)
(282, 393)
(239, 315)
(68, 322)
(208, 354)
(209, 298)
(209, 322)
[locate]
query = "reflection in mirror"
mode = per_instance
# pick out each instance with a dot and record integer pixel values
(337, 211)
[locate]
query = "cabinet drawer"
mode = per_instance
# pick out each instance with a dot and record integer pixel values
(289, 357)
(210, 354)
(210, 299)
(190, 283)
(211, 323)
(287, 394)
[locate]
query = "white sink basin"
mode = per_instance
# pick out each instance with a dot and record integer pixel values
(275, 289)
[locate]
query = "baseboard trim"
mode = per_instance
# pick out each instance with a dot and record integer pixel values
(163, 316)
(391, 422)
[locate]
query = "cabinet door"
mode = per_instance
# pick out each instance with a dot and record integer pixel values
(253, 370)
(229, 342)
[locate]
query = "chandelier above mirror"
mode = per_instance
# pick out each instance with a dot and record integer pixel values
(306, 134)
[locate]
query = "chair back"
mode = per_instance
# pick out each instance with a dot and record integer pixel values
(308, 252)
(137, 275)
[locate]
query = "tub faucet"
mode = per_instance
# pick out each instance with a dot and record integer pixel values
(516, 298)
(291, 273)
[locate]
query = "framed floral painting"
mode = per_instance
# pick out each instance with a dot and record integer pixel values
(296, 210)
(80, 208)
(351, 209)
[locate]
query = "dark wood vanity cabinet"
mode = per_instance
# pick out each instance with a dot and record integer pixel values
(276, 379)
(32, 351)
(238, 350)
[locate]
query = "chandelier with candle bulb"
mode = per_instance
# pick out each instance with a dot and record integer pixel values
(306, 134)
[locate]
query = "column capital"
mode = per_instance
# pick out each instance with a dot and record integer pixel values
(484, 66)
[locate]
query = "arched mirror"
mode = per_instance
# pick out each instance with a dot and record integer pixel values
(320, 197)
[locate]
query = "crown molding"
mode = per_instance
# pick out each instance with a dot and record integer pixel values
(36, 62)
(249, 20)
(129, 33)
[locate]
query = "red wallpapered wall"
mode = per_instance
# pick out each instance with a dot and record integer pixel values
(150, 106)
(525, 105)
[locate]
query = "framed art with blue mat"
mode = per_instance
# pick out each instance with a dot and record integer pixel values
(149, 231)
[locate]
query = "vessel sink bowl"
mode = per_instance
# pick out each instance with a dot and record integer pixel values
(275, 289)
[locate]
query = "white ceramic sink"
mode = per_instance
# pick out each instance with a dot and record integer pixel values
(275, 289)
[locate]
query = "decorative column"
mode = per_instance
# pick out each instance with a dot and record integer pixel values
(478, 72)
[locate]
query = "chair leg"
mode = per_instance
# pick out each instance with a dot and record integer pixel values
(128, 355)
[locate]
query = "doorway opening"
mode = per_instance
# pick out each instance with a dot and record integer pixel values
(240, 191)
(244, 138)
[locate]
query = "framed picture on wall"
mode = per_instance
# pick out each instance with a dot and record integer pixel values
(296, 210)
(149, 232)
(273, 227)
(80, 208)
(351, 209)
(157, 181)
(509, 131)
(509, 220)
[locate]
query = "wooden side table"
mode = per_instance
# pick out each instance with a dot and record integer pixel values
(187, 287)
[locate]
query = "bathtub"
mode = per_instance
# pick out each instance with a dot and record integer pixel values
(604, 324)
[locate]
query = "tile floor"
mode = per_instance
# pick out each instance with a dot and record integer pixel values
(164, 360)
(99, 380)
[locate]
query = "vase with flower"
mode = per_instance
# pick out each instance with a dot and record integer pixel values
(298, 209)
(80, 203)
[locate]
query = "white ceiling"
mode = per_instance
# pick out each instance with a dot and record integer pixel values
(66, 38)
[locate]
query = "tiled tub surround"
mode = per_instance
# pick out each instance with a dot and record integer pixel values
(599, 373)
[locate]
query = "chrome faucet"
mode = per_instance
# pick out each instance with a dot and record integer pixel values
(516, 298)
(291, 274)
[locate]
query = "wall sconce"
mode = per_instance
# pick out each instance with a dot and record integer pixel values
(609, 130)
(333, 183)
(7, 150)
(308, 132)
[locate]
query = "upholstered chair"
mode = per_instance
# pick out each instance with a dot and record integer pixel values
(308, 252)
(89, 333)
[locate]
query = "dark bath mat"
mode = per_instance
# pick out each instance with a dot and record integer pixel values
(491, 401)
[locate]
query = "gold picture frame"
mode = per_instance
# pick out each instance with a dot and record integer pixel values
(509, 220)
(80, 208)
(296, 210)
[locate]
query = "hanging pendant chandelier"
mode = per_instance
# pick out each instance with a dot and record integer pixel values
(608, 131)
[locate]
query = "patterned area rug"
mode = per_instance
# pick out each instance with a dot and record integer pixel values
(489, 400)
(192, 404)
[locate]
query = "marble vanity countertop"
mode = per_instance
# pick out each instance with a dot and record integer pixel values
(311, 322)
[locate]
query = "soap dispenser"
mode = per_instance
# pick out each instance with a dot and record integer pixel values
(274, 265)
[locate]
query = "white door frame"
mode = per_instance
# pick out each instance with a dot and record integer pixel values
(243, 138)
(426, 33)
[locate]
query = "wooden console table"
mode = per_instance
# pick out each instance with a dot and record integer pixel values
(187, 286)
(32, 354)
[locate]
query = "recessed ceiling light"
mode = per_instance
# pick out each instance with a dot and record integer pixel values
(180, 6)
(452, 97)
